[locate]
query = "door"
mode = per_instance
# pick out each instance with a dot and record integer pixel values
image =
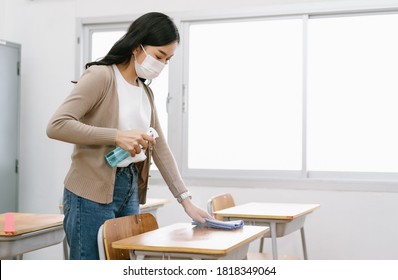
(9, 124)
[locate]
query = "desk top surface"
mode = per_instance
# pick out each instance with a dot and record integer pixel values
(150, 203)
(154, 202)
(263, 210)
(29, 222)
(187, 238)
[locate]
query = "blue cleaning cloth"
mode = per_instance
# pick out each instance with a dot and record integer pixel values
(221, 224)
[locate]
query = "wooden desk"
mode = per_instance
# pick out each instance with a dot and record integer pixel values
(152, 205)
(186, 241)
(32, 232)
(283, 218)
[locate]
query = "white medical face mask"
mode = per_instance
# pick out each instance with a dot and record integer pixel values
(150, 68)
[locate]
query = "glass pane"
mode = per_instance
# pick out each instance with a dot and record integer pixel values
(245, 101)
(352, 94)
(102, 41)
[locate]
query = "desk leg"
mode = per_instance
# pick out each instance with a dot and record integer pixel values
(261, 249)
(304, 243)
(133, 256)
(274, 245)
(66, 249)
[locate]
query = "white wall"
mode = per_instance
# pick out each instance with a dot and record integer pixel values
(349, 225)
(2, 17)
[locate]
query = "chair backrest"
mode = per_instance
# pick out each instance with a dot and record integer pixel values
(219, 202)
(100, 241)
(123, 227)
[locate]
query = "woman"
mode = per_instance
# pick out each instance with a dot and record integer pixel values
(112, 106)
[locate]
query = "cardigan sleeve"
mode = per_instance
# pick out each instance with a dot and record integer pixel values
(81, 119)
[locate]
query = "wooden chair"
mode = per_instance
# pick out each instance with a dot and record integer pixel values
(120, 228)
(220, 202)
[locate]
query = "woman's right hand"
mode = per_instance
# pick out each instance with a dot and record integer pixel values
(134, 140)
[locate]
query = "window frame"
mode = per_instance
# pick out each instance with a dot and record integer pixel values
(303, 174)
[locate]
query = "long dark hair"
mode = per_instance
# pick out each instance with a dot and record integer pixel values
(154, 29)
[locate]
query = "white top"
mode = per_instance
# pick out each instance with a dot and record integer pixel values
(134, 108)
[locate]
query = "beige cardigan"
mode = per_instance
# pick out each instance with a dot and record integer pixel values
(89, 119)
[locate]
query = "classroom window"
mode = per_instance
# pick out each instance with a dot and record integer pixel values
(252, 82)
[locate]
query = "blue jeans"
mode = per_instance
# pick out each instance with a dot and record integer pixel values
(83, 217)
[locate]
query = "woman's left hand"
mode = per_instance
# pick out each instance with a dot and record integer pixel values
(197, 214)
